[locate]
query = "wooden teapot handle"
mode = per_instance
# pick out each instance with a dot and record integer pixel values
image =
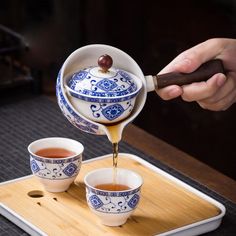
(203, 73)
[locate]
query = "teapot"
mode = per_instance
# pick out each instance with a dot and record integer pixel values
(99, 85)
(102, 93)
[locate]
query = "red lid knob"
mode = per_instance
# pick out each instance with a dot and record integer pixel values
(105, 62)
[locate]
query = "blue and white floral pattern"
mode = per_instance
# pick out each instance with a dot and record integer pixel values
(101, 97)
(77, 77)
(119, 85)
(52, 169)
(106, 85)
(113, 202)
(95, 201)
(93, 96)
(69, 113)
(113, 111)
(110, 112)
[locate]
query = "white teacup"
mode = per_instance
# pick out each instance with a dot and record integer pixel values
(113, 207)
(58, 172)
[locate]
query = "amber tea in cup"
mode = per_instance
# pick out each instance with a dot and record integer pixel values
(55, 153)
(112, 187)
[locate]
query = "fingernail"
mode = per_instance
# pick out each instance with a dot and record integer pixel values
(221, 80)
(174, 92)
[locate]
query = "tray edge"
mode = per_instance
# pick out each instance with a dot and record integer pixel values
(188, 230)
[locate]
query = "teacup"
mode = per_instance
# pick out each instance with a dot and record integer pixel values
(111, 206)
(56, 162)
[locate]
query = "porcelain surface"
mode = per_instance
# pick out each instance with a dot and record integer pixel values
(113, 207)
(55, 169)
(56, 174)
(113, 202)
(103, 97)
(84, 57)
(91, 82)
(70, 113)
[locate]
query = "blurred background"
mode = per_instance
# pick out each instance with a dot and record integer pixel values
(37, 36)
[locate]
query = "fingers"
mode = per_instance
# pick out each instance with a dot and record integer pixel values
(222, 104)
(170, 92)
(216, 94)
(223, 98)
(203, 90)
(195, 91)
(187, 62)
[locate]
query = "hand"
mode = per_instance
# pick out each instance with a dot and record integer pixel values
(219, 91)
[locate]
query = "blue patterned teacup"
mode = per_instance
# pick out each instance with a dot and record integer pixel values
(113, 207)
(55, 170)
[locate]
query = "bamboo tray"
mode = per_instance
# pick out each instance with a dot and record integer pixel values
(168, 206)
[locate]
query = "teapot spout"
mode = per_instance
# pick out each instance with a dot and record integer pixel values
(114, 132)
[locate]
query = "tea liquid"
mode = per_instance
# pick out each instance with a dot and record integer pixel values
(113, 130)
(54, 153)
(112, 187)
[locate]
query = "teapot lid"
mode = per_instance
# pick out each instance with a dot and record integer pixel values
(103, 81)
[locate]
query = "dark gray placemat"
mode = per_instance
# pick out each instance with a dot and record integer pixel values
(24, 121)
